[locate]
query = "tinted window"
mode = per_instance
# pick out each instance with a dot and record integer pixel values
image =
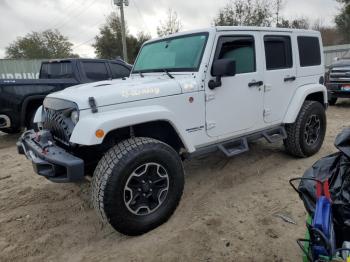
(309, 51)
(240, 49)
(278, 52)
(95, 71)
(56, 70)
(119, 71)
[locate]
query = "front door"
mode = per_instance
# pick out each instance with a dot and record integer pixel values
(237, 105)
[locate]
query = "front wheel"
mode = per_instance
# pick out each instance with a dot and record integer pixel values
(137, 185)
(332, 101)
(305, 136)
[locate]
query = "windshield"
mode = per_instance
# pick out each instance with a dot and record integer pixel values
(347, 55)
(56, 70)
(182, 53)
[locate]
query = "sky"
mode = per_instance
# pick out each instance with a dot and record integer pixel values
(80, 20)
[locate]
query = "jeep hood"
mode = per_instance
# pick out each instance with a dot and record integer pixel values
(119, 91)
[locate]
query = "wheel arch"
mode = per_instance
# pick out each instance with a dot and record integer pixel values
(30, 103)
(311, 92)
(154, 122)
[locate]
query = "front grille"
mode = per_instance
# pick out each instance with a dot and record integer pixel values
(340, 74)
(59, 124)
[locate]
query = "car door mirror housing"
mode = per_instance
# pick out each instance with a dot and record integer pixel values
(222, 68)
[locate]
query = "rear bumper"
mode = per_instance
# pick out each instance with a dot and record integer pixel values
(48, 159)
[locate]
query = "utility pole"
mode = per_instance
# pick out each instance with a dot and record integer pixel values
(120, 4)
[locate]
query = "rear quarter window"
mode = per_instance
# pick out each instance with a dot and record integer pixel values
(309, 51)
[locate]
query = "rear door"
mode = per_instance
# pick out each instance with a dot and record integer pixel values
(279, 74)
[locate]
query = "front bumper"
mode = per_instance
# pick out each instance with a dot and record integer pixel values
(48, 159)
(334, 90)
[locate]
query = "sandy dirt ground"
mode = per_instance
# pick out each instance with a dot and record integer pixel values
(227, 213)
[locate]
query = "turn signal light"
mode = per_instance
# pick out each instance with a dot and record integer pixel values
(100, 133)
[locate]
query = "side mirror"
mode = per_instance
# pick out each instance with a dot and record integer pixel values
(222, 68)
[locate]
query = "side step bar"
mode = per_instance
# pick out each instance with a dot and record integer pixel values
(240, 145)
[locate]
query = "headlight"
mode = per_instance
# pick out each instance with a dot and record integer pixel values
(74, 117)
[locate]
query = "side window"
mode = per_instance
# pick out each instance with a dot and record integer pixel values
(240, 49)
(309, 51)
(278, 52)
(119, 71)
(96, 71)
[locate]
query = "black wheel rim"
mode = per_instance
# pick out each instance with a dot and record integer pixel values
(312, 129)
(146, 189)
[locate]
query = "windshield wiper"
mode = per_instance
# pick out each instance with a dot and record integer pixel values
(140, 73)
(167, 72)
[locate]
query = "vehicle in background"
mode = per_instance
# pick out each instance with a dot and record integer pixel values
(338, 79)
(20, 98)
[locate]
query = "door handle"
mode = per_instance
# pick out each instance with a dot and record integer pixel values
(289, 78)
(255, 83)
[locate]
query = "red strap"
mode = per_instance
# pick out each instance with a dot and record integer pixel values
(326, 190)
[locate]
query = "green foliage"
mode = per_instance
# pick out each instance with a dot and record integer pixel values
(108, 44)
(343, 20)
(49, 44)
(245, 13)
(170, 26)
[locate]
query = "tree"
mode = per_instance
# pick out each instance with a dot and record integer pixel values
(170, 26)
(49, 44)
(278, 7)
(249, 13)
(343, 20)
(108, 44)
(298, 23)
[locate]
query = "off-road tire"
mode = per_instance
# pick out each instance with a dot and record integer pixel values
(111, 176)
(295, 143)
(332, 101)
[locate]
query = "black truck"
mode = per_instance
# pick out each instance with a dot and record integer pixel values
(338, 79)
(19, 99)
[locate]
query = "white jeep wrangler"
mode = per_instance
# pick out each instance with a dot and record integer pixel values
(188, 94)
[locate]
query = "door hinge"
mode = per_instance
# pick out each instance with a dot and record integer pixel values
(210, 125)
(267, 88)
(267, 112)
(209, 97)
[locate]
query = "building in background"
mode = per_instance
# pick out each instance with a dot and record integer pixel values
(19, 69)
(333, 52)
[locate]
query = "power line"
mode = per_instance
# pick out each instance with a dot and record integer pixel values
(57, 20)
(140, 14)
(77, 15)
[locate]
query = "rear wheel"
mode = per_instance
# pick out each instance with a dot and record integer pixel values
(137, 185)
(305, 136)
